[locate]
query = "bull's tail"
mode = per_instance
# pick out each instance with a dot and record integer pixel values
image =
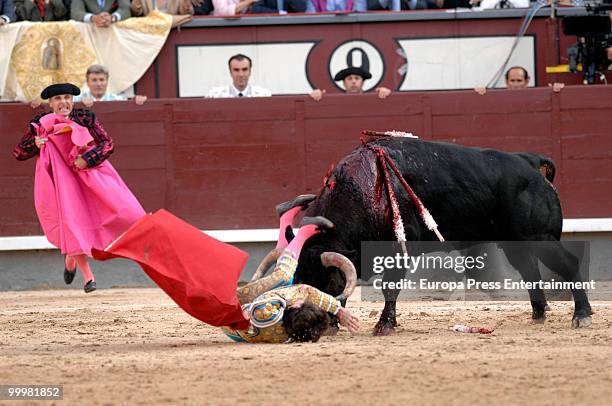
(549, 167)
(538, 162)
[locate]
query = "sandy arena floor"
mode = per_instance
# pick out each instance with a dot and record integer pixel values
(134, 346)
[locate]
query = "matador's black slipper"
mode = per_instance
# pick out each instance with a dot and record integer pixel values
(89, 286)
(69, 276)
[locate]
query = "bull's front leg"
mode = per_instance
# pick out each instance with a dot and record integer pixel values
(387, 322)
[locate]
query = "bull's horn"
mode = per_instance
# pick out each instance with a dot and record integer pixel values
(346, 266)
(268, 260)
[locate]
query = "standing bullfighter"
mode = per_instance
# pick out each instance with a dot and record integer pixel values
(80, 199)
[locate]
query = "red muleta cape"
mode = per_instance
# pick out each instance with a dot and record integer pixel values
(197, 271)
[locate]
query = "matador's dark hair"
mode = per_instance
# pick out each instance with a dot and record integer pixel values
(305, 323)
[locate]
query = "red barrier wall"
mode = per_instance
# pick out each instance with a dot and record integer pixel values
(224, 164)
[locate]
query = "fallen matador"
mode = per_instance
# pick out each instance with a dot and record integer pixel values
(200, 274)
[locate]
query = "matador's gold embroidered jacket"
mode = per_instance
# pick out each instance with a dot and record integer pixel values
(264, 302)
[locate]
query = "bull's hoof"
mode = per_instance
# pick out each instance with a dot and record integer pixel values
(538, 316)
(383, 329)
(581, 321)
(538, 311)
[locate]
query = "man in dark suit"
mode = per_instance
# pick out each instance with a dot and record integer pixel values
(35, 10)
(102, 13)
(7, 12)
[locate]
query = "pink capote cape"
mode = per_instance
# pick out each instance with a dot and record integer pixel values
(78, 208)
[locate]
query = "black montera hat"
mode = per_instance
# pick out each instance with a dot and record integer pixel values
(59, 88)
(352, 70)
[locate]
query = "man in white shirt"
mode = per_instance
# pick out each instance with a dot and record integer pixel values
(240, 69)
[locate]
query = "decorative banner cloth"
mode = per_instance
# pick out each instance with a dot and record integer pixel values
(78, 208)
(36, 55)
(197, 271)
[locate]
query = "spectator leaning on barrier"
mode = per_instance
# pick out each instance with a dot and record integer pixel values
(330, 6)
(174, 7)
(180, 10)
(97, 82)
(240, 69)
(7, 12)
(279, 6)
(42, 10)
(204, 8)
(414, 4)
(379, 5)
(232, 7)
(352, 78)
(102, 13)
(517, 77)
(492, 4)
(398, 5)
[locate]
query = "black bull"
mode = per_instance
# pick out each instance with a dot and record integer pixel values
(473, 194)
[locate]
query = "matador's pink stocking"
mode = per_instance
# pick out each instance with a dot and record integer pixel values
(81, 261)
(304, 234)
(70, 263)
